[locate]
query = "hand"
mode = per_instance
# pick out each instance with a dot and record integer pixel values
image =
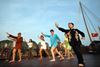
(8, 33)
(83, 38)
(56, 24)
(42, 33)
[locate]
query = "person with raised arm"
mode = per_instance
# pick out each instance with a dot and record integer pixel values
(74, 41)
(18, 47)
(54, 39)
(43, 46)
(30, 48)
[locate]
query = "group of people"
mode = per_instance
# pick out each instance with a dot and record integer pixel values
(71, 42)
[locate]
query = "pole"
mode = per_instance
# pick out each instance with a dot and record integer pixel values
(85, 22)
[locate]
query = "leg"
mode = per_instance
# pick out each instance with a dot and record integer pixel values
(30, 53)
(78, 54)
(72, 56)
(52, 52)
(68, 54)
(40, 51)
(13, 55)
(20, 55)
(65, 51)
(47, 53)
(59, 54)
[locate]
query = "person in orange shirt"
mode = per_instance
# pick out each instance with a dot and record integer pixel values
(18, 46)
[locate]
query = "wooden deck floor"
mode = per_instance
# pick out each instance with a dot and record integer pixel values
(90, 61)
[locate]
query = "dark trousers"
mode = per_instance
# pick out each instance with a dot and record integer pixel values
(76, 48)
(30, 56)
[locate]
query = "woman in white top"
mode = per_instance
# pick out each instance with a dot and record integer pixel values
(43, 47)
(30, 45)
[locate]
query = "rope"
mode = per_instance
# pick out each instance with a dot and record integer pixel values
(90, 21)
(97, 18)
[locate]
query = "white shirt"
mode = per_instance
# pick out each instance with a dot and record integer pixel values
(43, 44)
(30, 44)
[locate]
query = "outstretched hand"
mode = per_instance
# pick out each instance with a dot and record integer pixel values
(8, 33)
(42, 33)
(56, 24)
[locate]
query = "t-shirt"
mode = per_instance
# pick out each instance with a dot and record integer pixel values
(30, 44)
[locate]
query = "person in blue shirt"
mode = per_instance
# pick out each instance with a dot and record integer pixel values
(54, 39)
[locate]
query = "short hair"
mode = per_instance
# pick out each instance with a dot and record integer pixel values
(71, 23)
(19, 33)
(30, 40)
(41, 36)
(51, 30)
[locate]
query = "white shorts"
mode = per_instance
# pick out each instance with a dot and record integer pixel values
(43, 47)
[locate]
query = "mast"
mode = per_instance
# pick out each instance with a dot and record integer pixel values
(99, 32)
(85, 21)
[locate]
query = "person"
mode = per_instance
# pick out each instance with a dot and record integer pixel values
(43, 46)
(68, 47)
(18, 47)
(74, 41)
(5, 52)
(30, 45)
(54, 39)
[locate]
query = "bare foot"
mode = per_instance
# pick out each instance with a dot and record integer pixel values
(53, 60)
(19, 60)
(61, 59)
(68, 58)
(12, 61)
(40, 61)
(81, 65)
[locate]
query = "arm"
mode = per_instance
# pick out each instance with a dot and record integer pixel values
(11, 36)
(58, 38)
(12, 39)
(22, 39)
(81, 33)
(61, 29)
(45, 35)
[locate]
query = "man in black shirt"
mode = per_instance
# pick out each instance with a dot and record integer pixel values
(74, 41)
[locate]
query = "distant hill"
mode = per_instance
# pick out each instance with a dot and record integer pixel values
(10, 43)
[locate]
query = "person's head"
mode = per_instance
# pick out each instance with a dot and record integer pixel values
(70, 25)
(19, 34)
(42, 37)
(52, 32)
(30, 40)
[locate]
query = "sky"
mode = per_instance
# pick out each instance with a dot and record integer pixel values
(31, 17)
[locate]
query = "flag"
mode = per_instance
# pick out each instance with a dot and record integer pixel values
(94, 34)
